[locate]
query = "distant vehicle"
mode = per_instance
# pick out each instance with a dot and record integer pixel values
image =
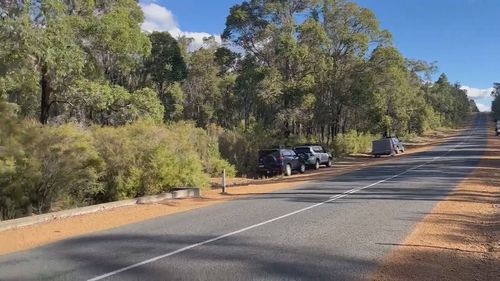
(387, 146)
(314, 156)
(279, 161)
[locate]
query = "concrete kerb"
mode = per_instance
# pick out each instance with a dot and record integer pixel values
(154, 198)
(27, 221)
(186, 193)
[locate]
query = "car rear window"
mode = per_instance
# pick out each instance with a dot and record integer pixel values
(270, 152)
(318, 149)
(303, 150)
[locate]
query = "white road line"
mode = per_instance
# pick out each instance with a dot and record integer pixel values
(331, 199)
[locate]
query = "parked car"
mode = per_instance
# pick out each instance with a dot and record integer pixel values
(387, 146)
(314, 155)
(279, 161)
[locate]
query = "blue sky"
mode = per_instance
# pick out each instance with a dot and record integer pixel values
(463, 36)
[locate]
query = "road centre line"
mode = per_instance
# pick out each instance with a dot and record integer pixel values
(331, 199)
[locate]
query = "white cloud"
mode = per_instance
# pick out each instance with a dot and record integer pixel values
(483, 107)
(159, 18)
(475, 93)
(198, 38)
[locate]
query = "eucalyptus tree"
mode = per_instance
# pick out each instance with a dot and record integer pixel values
(164, 67)
(267, 31)
(201, 87)
(50, 47)
(314, 60)
(391, 94)
(351, 30)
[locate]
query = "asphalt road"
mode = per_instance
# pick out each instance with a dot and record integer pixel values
(336, 229)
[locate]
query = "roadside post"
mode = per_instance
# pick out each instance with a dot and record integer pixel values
(224, 181)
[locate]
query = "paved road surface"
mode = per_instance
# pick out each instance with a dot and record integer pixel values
(337, 229)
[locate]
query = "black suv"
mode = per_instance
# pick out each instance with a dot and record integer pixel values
(279, 161)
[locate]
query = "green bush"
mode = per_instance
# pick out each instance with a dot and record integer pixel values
(43, 168)
(409, 138)
(240, 148)
(144, 159)
(121, 174)
(187, 137)
(66, 164)
(352, 143)
(166, 170)
(43, 165)
(14, 166)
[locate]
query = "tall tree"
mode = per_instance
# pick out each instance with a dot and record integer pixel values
(48, 46)
(202, 94)
(164, 67)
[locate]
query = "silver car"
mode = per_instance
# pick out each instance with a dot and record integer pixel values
(314, 156)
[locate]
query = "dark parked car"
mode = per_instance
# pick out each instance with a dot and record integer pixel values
(314, 155)
(279, 161)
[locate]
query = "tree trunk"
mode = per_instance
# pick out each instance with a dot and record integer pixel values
(45, 100)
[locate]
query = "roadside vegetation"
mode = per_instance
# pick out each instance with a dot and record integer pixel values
(495, 107)
(92, 109)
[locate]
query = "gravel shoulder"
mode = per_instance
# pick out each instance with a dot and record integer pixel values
(45, 233)
(460, 238)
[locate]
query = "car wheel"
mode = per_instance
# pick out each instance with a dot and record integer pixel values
(302, 168)
(329, 163)
(316, 165)
(288, 170)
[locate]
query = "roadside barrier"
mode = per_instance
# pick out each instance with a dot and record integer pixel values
(31, 220)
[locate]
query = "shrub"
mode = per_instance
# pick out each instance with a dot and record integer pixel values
(65, 164)
(171, 154)
(14, 166)
(43, 168)
(353, 142)
(43, 165)
(206, 146)
(166, 171)
(240, 148)
(216, 163)
(144, 158)
(121, 174)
